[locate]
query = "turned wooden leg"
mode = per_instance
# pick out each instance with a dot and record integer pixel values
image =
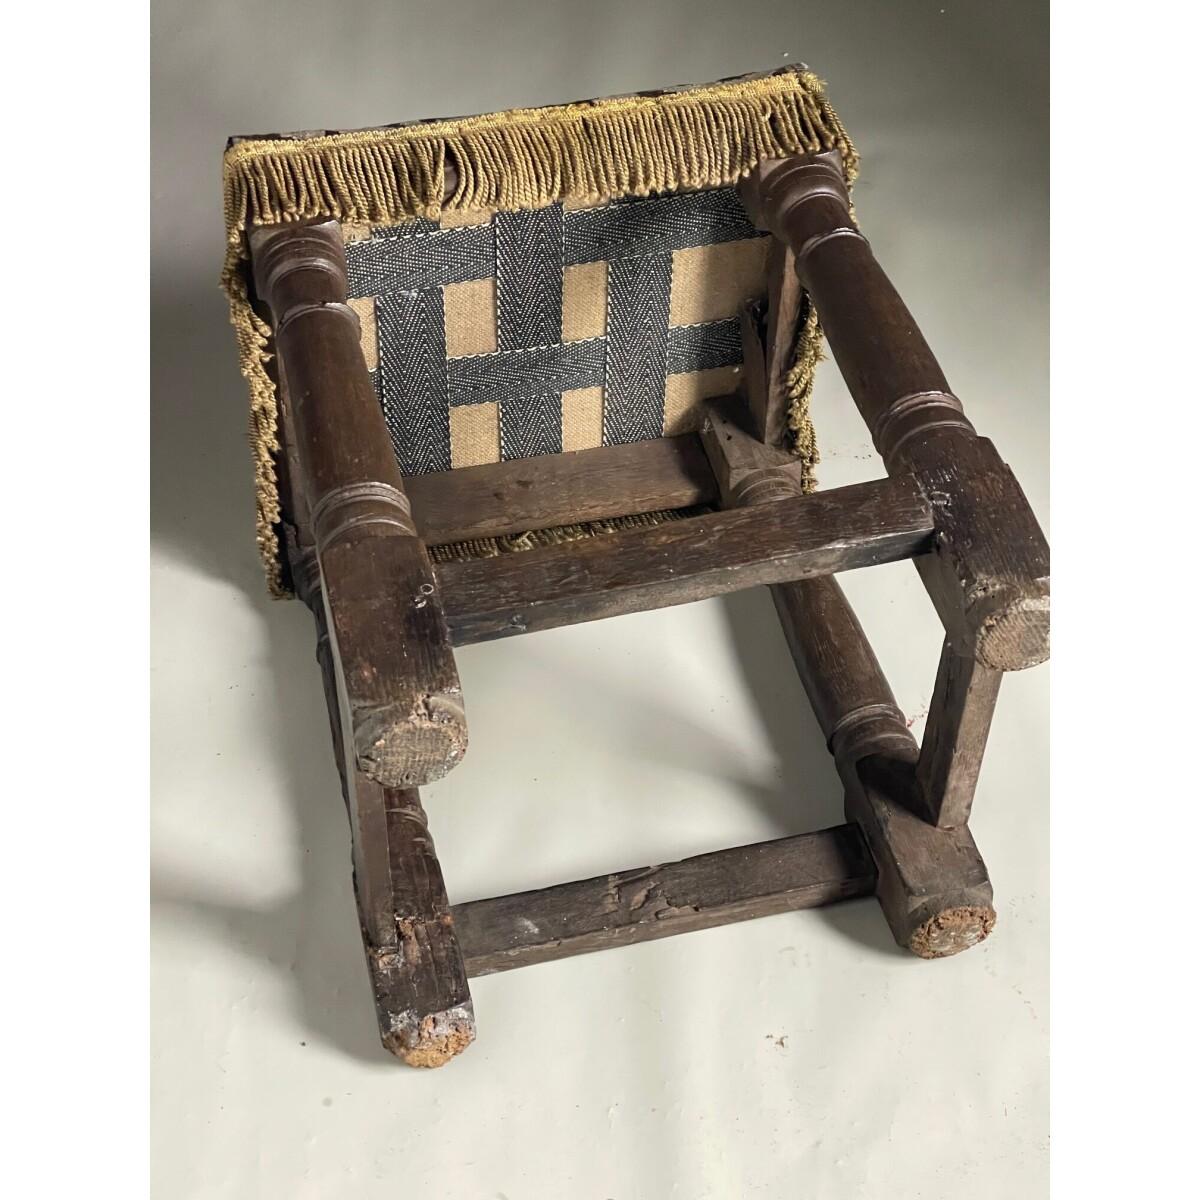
(422, 1000)
(391, 646)
(418, 977)
(989, 573)
(932, 884)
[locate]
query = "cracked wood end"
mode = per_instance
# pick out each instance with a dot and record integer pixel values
(434, 1039)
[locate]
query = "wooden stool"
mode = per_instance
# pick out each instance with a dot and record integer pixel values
(355, 531)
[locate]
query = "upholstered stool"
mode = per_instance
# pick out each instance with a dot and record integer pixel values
(521, 370)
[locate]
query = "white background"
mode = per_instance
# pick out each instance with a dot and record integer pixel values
(803, 1054)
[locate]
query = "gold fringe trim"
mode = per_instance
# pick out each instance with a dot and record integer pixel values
(526, 158)
(808, 352)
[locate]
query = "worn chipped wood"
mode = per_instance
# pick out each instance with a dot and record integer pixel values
(932, 885)
(422, 1000)
(356, 555)
(407, 724)
(686, 560)
(646, 903)
(989, 574)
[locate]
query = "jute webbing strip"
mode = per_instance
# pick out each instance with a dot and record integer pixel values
(494, 547)
(582, 153)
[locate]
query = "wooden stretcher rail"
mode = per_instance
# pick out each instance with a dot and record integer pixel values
(692, 559)
(560, 489)
(990, 576)
(807, 871)
(933, 887)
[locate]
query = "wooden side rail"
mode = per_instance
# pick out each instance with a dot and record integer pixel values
(560, 489)
(989, 574)
(960, 718)
(641, 905)
(932, 884)
(639, 569)
(769, 341)
(390, 641)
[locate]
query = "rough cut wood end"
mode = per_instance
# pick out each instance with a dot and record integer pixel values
(1014, 634)
(435, 1039)
(407, 749)
(952, 930)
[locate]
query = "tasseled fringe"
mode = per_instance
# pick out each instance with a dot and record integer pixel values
(799, 384)
(527, 158)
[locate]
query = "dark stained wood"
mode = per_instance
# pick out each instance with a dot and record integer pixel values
(357, 556)
(746, 471)
(840, 677)
(364, 807)
(785, 303)
(422, 999)
(964, 698)
(560, 489)
(652, 902)
(883, 355)
(423, 1004)
(850, 696)
(396, 666)
(675, 563)
(932, 885)
(989, 576)
(752, 380)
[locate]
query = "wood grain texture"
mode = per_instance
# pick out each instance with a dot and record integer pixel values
(422, 1001)
(932, 885)
(653, 902)
(746, 471)
(785, 298)
(640, 569)
(389, 637)
(560, 489)
(418, 978)
(850, 696)
(989, 575)
(752, 384)
(960, 717)
(841, 676)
